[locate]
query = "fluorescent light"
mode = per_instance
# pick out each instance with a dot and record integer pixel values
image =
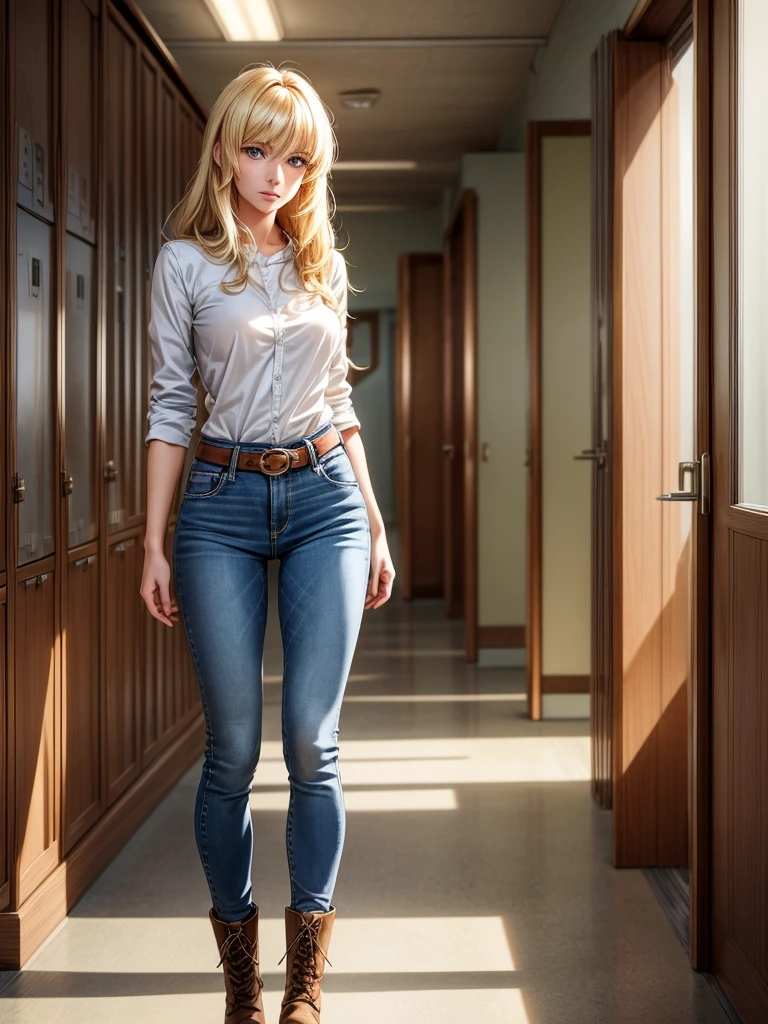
(244, 20)
(375, 165)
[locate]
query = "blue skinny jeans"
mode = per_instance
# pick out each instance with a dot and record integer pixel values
(230, 523)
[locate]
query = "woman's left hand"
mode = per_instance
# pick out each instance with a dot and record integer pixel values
(382, 574)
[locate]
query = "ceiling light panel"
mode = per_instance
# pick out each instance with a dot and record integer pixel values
(246, 20)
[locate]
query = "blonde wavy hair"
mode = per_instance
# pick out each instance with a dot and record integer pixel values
(281, 109)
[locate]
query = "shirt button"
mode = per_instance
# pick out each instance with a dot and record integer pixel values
(278, 377)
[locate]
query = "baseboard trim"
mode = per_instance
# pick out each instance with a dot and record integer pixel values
(565, 684)
(501, 636)
(24, 930)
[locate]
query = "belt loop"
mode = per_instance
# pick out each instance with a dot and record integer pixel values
(233, 462)
(312, 453)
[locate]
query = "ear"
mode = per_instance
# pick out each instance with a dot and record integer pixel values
(217, 152)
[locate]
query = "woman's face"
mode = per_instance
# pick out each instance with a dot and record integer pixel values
(267, 180)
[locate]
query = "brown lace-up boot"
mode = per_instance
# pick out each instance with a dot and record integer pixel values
(238, 943)
(308, 936)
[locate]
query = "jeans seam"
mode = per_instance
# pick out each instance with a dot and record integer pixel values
(208, 761)
(289, 816)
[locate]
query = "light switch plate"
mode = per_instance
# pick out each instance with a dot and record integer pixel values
(25, 158)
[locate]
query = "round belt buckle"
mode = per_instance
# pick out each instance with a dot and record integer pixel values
(283, 454)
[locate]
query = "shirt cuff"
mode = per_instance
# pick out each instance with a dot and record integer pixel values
(165, 432)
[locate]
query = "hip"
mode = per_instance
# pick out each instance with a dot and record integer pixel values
(270, 513)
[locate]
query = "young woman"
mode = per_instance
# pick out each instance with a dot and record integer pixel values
(252, 291)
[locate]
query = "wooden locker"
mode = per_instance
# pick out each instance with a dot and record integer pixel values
(82, 39)
(34, 68)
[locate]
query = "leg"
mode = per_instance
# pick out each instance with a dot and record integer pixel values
(322, 584)
(222, 595)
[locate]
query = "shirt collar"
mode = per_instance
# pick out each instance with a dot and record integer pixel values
(281, 256)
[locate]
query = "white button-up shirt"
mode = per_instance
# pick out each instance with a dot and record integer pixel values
(272, 359)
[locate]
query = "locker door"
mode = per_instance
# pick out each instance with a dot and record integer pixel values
(80, 635)
(81, 78)
(120, 179)
(33, 65)
(34, 373)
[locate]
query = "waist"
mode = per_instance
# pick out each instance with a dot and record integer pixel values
(263, 457)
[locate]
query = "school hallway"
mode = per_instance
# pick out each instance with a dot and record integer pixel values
(476, 882)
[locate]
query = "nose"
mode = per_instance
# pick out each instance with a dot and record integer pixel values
(275, 173)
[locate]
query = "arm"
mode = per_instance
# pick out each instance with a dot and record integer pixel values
(172, 414)
(382, 570)
(338, 395)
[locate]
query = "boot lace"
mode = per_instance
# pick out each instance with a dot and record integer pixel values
(245, 983)
(304, 968)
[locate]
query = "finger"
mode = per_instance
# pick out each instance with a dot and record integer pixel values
(165, 609)
(373, 586)
(380, 595)
(158, 614)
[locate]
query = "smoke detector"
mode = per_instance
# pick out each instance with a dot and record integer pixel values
(360, 99)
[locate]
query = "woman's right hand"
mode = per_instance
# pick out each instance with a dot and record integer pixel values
(164, 463)
(155, 588)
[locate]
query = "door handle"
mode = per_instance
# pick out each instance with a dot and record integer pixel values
(592, 455)
(700, 484)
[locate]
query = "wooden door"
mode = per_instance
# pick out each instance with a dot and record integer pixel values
(419, 419)
(459, 419)
(651, 666)
(655, 445)
(739, 33)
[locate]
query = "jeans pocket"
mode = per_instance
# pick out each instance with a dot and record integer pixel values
(203, 482)
(336, 467)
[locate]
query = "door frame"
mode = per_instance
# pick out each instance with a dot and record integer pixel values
(700, 718)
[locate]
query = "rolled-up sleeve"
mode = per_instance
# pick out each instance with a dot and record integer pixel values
(172, 411)
(339, 390)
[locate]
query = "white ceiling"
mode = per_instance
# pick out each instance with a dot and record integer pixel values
(438, 101)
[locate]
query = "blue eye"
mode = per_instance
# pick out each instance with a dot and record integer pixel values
(258, 149)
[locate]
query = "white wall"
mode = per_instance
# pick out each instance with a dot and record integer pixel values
(375, 242)
(502, 382)
(558, 83)
(566, 404)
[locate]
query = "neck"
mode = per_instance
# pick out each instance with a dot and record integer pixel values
(264, 227)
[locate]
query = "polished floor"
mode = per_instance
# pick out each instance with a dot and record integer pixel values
(476, 885)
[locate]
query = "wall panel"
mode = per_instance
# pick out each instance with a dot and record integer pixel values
(99, 710)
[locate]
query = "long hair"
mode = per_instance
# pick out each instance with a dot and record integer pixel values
(281, 109)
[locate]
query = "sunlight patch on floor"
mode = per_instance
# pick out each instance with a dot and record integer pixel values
(447, 762)
(360, 945)
(369, 800)
(435, 698)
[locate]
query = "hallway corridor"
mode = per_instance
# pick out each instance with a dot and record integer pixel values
(476, 885)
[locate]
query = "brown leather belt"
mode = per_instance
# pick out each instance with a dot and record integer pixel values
(272, 461)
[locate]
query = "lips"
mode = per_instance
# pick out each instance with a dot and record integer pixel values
(271, 195)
